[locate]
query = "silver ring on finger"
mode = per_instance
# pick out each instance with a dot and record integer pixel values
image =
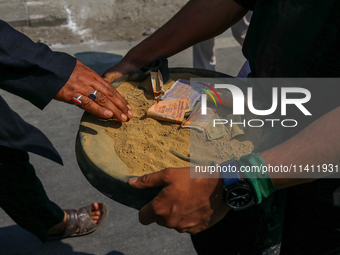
(76, 100)
(93, 95)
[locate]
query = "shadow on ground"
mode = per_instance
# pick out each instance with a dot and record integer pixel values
(98, 61)
(16, 241)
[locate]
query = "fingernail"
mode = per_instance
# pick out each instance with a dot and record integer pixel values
(132, 180)
(129, 106)
(108, 113)
(124, 117)
(130, 114)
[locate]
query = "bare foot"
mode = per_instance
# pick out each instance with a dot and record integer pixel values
(96, 214)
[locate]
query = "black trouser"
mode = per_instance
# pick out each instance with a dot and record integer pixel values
(254, 231)
(310, 226)
(22, 195)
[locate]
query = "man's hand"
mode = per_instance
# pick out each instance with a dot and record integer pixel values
(109, 102)
(185, 204)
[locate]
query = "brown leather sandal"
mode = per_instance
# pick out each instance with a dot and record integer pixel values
(80, 220)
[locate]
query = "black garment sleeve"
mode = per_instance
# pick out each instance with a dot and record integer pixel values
(31, 70)
(248, 4)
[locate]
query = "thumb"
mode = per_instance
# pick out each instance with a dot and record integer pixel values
(153, 180)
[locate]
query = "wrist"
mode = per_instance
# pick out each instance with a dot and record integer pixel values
(238, 194)
(125, 66)
(259, 179)
(135, 60)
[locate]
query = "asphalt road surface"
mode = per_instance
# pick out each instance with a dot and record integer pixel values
(121, 233)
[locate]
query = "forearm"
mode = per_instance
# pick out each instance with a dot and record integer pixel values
(317, 144)
(197, 21)
(31, 70)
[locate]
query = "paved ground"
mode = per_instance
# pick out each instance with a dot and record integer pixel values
(122, 233)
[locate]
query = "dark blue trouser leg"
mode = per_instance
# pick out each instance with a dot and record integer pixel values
(22, 195)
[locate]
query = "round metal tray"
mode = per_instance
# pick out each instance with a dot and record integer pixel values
(104, 169)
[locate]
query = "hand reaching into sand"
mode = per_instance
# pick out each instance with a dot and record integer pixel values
(119, 70)
(186, 204)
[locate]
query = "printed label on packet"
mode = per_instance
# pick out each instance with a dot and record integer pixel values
(169, 110)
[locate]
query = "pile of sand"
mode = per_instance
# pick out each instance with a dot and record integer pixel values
(143, 143)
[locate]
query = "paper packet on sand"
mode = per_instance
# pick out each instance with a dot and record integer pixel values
(157, 84)
(197, 120)
(216, 132)
(169, 110)
(235, 127)
(184, 89)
